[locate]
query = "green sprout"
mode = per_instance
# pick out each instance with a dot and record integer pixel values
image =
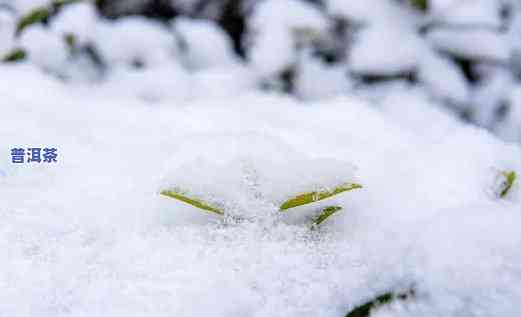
(326, 213)
(15, 55)
(296, 201)
(37, 15)
(307, 198)
(422, 5)
(508, 181)
(192, 201)
(365, 309)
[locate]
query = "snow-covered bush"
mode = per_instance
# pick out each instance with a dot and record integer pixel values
(204, 44)
(465, 55)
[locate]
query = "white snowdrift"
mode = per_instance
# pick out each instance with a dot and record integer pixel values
(90, 236)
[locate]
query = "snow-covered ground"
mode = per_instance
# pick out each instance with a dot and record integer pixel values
(91, 236)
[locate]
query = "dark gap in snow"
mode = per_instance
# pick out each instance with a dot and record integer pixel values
(506, 13)
(158, 9)
(233, 22)
(93, 54)
(515, 64)
(288, 79)
(329, 57)
(466, 67)
(465, 115)
(318, 3)
(370, 79)
(333, 49)
(138, 63)
(502, 110)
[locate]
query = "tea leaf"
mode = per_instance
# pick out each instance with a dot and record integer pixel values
(311, 197)
(192, 201)
(15, 55)
(365, 309)
(35, 16)
(326, 213)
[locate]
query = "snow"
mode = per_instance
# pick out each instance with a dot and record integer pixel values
(443, 78)
(510, 129)
(469, 13)
(373, 12)
(206, 44)
(78, 19)
(25, 6)
(45, 49)
(92, 236)
(225, 81)
(392, 54)
(490, 95)
(169, 81)
(7, 27)
(333, 80)
(412, 110)
(276, 27)
(473, 44)
(140, 40)
(243, 181)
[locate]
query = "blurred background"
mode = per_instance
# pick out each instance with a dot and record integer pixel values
(415, 59)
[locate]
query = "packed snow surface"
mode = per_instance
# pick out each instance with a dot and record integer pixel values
(91, 236)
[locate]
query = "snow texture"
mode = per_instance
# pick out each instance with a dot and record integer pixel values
(91, 236)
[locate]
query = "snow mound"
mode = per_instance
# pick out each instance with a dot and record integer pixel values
(374, 54)
(277, 27)
(476, 13)
(245, 177)
(95, 236)
(443, 79)
(140, 42)
(78, 20)
(205, 44)
(45, 49)
(373, 12)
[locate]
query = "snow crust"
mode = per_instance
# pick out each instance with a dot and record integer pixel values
(90, 235)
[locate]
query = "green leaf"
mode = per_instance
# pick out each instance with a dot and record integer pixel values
(37, 15)
(422, 5)
(326, 213)
(311, 197)
(365, 309)
(70, 41)
(15, 55)
(192, 201)
(510, 178)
